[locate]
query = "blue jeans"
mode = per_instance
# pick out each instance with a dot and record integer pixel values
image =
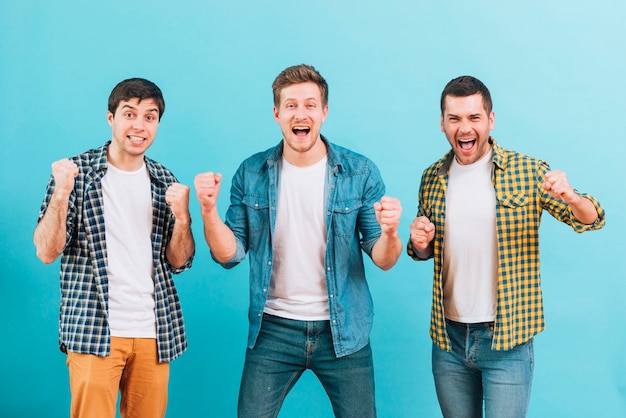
(472, 371)
(286, 348)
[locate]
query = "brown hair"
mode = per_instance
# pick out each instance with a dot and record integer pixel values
(299, 74)
(136, 88)
(464, 86)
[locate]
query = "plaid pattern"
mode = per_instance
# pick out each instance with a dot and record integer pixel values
(521, 199)
(83, 325)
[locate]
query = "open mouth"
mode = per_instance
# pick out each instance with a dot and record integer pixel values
(136, 139)
(466, 144)
(301, 131)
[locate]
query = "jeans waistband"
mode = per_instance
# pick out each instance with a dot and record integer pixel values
(471, 326)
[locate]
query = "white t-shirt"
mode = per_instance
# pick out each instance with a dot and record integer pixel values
(128, 224)
(470, 271)
(298, 283)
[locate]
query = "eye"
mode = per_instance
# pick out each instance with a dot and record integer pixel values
(128, 115)
(151, 118)
(290, 106)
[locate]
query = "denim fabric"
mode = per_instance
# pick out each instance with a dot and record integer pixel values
(472, 371)
(286, 348)
(353, 185)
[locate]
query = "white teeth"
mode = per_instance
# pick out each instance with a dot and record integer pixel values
(135, 138)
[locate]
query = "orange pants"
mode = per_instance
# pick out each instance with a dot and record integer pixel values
(132, 368)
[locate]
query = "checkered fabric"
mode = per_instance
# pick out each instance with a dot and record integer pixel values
(517, 180)
(83, 325)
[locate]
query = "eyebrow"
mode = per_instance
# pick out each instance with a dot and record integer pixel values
(127, 106)
(448, 115)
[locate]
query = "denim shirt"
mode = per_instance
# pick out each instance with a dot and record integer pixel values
(353, 184)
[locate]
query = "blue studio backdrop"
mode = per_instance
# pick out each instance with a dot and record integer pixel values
(555, 70)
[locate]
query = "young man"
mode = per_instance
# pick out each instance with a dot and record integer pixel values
(478, 217)
(304, 210)
(121, 222)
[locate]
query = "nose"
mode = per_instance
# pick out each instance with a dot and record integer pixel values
(465, 126)
(301, 113)
(138, 124)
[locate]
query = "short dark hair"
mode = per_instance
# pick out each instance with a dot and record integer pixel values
(136, 88)
(299, 74)
(464, 86)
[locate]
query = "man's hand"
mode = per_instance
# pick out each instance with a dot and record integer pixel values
(177, 196)
(388, 212)
(207, 189)
(64, 171)
(557, 186)
(422, 233)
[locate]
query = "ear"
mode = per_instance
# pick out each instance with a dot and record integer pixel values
(492, 120)
(441, 124)
(276, 115)
(110, 118)
(325, 113)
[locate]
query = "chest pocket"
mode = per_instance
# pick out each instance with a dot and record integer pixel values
(512, 211)
(257, 210)
(513, 201)
(345, 214)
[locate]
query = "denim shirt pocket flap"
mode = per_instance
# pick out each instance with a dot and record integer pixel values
(347, 206)
(256, 202)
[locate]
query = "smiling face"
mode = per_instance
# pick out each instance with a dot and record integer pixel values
(134, 126)
(300, 114)
(467, 125)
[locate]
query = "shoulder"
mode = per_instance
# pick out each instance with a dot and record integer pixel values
(435, 168)
(508, 159)
(91, 158)
(349, 160)
(159, 171)
(259, 160)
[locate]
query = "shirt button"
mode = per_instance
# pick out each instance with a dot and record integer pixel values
(264, 290)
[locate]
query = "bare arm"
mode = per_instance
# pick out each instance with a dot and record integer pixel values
(557, 186)
(219, 237)
(388, 247)
(181, 246)
(50, 233)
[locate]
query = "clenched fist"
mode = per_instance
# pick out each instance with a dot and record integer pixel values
(64, 171)
(207, 189)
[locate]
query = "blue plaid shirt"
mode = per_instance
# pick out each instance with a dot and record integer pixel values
(83, 324)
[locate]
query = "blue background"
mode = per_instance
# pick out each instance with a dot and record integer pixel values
(556, 72)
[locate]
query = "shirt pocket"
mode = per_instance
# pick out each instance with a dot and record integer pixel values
(257, 210)
(513, 211)
(345, 214)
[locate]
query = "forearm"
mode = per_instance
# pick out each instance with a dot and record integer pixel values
(387, 250)
(50, 234)
(421, 254)
(584, 210)
(181, 246)
(219, 237)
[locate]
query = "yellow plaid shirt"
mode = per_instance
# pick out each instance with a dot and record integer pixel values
(520, 198)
